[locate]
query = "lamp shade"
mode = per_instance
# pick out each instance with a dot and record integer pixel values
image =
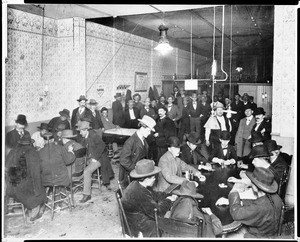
(163, 43)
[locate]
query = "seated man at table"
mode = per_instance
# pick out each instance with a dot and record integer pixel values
(139, 200)
(96, 157)
(172, 166)
(224, 153)
(135, 148)
(186, 209)
(260, 215)
(193, 152)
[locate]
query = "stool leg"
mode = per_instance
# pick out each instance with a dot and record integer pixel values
(53, 202)
(24, 213)
(69, 200)
(99, 180)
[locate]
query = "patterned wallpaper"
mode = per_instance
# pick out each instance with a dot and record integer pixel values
(284, 78)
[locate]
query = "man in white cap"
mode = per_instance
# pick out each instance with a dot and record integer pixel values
(135, 148)
(215, 124)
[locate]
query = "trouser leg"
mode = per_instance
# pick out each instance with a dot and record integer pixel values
(106, 170)
(87, 176)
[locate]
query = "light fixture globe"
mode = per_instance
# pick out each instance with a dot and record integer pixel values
(163, 43)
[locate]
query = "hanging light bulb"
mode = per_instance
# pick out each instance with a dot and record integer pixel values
(163, 44)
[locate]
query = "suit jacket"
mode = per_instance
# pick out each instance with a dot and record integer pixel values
(53, 124)
(218, 152)
(95, 145)
(174, 113)
(12, 138)
(131, 123)
(278, 167)
(239, 108)
(107, 124)
(151, 113)
(133, 151)
(186, 209)
(139, 203)
(265, 124)
(96, 120)
(74, 119)
(206, 111)
(195, 113)
(259, 214)
(165, 128)
(117, 109)
(171, 171)
(187, 155)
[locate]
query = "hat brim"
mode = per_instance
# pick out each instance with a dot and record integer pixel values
(146, 125)
(26, 143)
(255, 141)
(69, 137)
(22, 123)
(82, 99)
(177, 192)
(258, 155)
(133, 173)
(64, 114)
(269, 189)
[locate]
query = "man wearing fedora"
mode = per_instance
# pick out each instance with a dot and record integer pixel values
(260, 215)
(96, 157)
(117, 109)
(13, 136)
(139, 200)
(242, 144)
(96, 122)
(261, 124)
(23, 177)
(63, 118)
(172, 166)
(277, 163)
(77, 167)
(37, 136)
(80, 112)
(135, 148)
(193, 152)
(223, 153)
(186, 209)
(215, 124)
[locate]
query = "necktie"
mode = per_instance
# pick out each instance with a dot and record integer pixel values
(94, 113)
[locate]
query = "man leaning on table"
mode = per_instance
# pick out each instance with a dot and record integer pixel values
(172, 166)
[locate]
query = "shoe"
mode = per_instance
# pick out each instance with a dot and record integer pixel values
(85, 198)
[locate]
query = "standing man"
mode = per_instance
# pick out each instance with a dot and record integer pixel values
(38, 138)
(135, 149)
(96, 121)
(80, 112)
(195, 112)
(117, 109)
(238, 106)
(137, 101)
(206, 111)
(184, 125)
(164, 128)
(96, 157)
(243, 146)
(262, 125)
(63, 119)
(13, 136)
(173, 111)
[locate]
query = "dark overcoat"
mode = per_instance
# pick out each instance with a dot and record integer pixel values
(12, 138)
(117, 109)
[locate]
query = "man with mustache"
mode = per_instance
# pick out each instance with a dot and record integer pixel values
(262, 125)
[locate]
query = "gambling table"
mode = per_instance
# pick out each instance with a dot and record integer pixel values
(118, 135)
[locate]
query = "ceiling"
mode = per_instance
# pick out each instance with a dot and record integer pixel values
(248, 29)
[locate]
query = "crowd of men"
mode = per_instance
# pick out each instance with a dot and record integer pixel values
(172, 135)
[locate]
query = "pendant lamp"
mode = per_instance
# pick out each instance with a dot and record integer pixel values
(163, 45)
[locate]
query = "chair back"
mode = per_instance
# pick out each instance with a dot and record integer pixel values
(175, 228)
(123, 218)
(282, 186)
(120, 188)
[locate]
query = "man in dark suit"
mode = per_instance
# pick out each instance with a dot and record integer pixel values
(80, 112)
(117, 109)
(62, 119)
(206, 111)
(224, 153)
(251, 101)
(195, 112)
(161, 102)
(176, 94)
(184, 125)
(13, 136)
(262, 125)
(131, 116)
(164, 128)
(96, 157)
(96, 122)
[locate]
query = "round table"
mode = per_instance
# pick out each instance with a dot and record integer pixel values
(212, 192)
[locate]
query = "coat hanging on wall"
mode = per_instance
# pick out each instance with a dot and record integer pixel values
(156, 95)
(151, 94)
(127, 97)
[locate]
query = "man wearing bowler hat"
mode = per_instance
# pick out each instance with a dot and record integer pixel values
(261, 124)
(117, 109)
(96, 157)
(193, 152)
(135, 148)
(172, 166)
(261, 215)
(62, 119)
(139, 202)
(186, 209)
(13, 136)
(37, 136)
(80, 112)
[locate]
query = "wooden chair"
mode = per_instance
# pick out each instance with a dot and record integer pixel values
(12, 204)
(282, 186)
(124, 223)
(286, 221)
(175, 228)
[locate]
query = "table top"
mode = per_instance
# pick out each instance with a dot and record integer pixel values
(212, 192)
(120, 131)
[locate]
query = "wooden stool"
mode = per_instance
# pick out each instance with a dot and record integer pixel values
(14, 204)
(96, 177)
(64, 198)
